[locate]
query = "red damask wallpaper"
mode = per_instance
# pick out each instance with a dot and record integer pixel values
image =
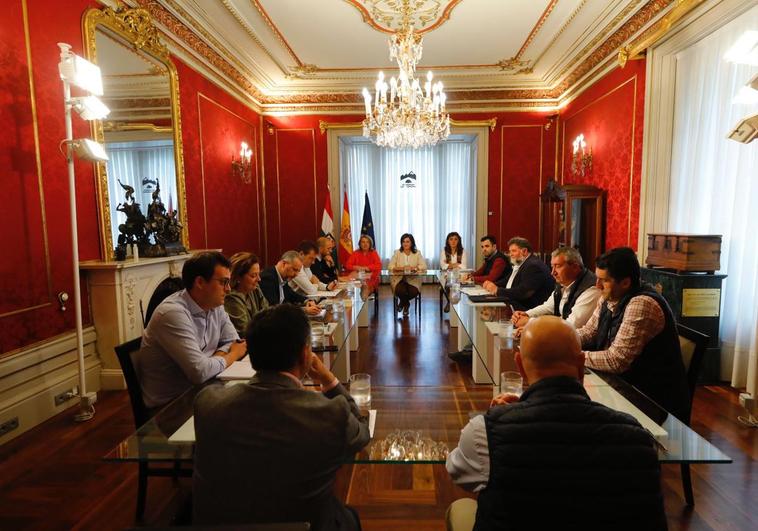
(610, 114)
(34, 174)
(223, 211)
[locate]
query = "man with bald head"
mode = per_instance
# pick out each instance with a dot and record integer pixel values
(553, 458)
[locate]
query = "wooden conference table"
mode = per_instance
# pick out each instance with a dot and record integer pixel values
(422, 424)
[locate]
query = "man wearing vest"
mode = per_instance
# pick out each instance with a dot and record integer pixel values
(529, 282)
(575, 295)
(495, 264)
(553, 458)
(632, 333)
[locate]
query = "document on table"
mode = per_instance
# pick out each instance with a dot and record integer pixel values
(324, 294)
(611, 398)
(239, 370)
(475, 290)
(186, 433)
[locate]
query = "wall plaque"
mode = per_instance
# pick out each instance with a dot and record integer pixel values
(701, 302)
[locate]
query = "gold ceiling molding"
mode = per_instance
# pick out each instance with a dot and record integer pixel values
(325, 126)
(536, 29)
(385, 15)
(188, 39)
(273, 28)
(637, 48)
(561, 30)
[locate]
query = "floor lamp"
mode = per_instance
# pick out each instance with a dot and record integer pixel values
(79, 72)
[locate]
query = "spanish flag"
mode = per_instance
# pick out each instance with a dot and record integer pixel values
(346, 236)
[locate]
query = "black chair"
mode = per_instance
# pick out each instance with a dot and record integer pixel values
(141, 415)
(693, 345)
(416, 302)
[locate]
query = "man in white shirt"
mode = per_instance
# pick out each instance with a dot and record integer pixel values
(305, 282)
(576, 293)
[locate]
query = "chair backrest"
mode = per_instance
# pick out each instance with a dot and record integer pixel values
(124, 352)
(167, 287)
(693, 344)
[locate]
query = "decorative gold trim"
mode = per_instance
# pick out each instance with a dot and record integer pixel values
(369, 19)
(536, 29)
(263, 194)
(134, 26)
(324, 125)
(136, 126)
(637, 48)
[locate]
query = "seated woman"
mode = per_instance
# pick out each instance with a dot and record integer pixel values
(246, 298)
(366, 260)
(324, 267)
(405, 261)
(453, 257)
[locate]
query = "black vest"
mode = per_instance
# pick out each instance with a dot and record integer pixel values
(583, 282)
(560, 461)
(658, 371)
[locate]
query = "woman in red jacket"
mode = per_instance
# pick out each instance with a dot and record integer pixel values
(366, 260)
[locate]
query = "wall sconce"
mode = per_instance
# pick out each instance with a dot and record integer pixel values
(269, 128)
(242, 168)
(581, 161)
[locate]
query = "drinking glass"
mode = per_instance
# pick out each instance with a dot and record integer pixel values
(407, 270)
(511, 382)
(360, 389)
(317, 334)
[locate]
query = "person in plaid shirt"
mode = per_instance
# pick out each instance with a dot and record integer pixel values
(632, 333)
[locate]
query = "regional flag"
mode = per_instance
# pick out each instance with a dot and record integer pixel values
(346, 236)
(367, 226)
(327, 220)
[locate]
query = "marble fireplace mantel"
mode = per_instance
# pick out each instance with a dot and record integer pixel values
(116, 290)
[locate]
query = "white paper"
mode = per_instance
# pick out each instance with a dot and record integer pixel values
(239, 370)
(324, 294)
(611, 398)
(185, 434)
(475, 290)
(371, 422)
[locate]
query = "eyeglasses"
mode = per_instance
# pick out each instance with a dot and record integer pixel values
(224, 281)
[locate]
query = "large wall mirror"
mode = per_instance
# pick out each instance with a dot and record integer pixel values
(142, 134)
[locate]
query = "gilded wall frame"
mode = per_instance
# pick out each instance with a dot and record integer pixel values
(134, 26)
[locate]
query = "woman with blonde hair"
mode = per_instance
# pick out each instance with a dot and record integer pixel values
(246, 299)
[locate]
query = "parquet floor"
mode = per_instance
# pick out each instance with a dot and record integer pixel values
(53, 478)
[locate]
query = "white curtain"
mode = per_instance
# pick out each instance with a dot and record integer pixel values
(714, 184)
(140, 165)
(441, 200)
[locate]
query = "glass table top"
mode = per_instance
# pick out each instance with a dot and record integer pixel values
(422, 424)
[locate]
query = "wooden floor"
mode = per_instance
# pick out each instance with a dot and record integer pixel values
(53, 478)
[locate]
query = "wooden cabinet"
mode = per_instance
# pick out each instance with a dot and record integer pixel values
(574, 216)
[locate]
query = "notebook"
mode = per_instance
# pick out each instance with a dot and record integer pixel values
(487, 298)
(239, 370)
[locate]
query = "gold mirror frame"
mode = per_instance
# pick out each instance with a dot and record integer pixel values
(136, 27)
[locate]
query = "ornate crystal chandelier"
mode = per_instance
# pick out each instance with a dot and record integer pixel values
(402, 114)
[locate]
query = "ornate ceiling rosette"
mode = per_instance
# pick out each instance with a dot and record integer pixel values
(386, 15)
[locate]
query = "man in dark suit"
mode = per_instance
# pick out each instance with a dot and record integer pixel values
(529, 283)
(275, 283)
(268, 450)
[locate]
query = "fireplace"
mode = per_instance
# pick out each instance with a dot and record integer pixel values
(123, 295)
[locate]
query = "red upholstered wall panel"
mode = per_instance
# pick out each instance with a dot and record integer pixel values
(223, 212)
(610, 114)
(34, 175)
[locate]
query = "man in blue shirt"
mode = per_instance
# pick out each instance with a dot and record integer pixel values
(190, 338)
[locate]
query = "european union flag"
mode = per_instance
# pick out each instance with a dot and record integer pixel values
(367, 227)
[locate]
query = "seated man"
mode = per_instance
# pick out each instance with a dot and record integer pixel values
(190, 338)
(275, 283)
(305, 282)
(324, 267)
(529, 282)
(575, 295)
(268, 450)
(554, 459)
(495, 264)
(633, 333)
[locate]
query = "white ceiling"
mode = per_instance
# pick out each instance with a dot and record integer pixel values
(292, 50)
